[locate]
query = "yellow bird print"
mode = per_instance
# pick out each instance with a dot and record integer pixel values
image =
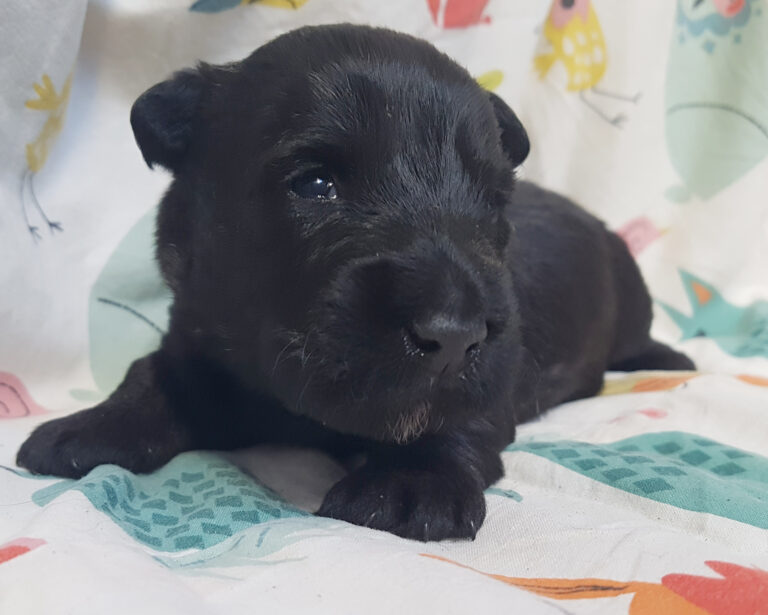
(54, 105)
(575, 38)
(490, 80)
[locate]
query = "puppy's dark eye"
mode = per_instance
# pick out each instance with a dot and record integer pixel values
(314, 186)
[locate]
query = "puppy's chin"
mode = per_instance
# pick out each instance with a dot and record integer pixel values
(374, 422)
(384, 412)
(410, 424)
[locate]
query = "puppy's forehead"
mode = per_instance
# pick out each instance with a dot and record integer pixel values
(357, 93)
(348, 78)
(380, 110)
(375, 104)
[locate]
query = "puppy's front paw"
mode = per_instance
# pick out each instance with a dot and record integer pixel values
(420, 505)
(73, 445)
(59, 448)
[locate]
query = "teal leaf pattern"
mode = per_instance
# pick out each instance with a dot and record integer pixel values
(676, 468)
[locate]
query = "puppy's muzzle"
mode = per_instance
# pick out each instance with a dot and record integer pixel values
(434, 303)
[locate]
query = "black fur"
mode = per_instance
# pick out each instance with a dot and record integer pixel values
(417, 317)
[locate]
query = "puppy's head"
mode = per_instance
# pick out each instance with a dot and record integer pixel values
(335, 234)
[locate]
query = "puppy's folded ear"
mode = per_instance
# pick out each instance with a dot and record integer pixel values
(514, 139)
(163, 118)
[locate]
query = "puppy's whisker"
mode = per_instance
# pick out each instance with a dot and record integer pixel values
(440, 424)
(280, 355)
(303, 391)
(305, 357)
(304, 348)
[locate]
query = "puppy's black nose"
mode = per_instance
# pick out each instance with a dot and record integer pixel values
(447, 341)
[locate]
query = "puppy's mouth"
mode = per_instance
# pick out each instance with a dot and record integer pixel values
(389, 389)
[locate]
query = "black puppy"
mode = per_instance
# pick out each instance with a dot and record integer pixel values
(354, 268)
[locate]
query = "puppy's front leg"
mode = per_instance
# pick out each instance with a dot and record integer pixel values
(139, 427)
(431, 489)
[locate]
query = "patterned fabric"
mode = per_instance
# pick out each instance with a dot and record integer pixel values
(650, 499)
(195, 501)
(676, 468)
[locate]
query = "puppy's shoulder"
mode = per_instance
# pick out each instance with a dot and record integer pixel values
(535, 205)
(550, 228)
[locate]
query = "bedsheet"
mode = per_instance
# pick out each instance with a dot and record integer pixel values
(649, 499)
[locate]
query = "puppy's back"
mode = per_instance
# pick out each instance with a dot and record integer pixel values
(580, 293)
